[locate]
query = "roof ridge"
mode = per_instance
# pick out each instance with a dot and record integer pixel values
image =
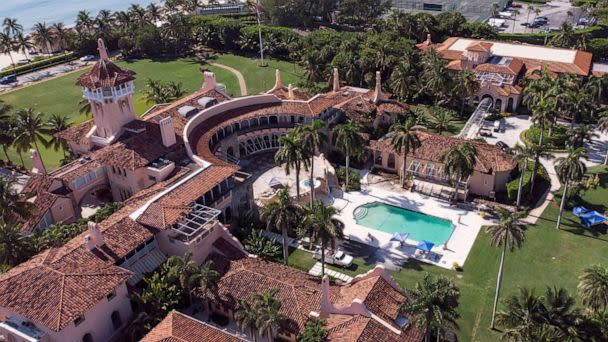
(58, 327)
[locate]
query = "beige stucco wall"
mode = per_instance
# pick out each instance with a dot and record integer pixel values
(63, 210)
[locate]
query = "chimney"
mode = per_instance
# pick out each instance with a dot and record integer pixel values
(95, 234)
(278, 83)
(378, 91)
(209, 81)
(290, 92)
(336, 86)
(167, 131)
(37, 165)
(326, 306)
(428, 40)
(88, 242)
(101, 47)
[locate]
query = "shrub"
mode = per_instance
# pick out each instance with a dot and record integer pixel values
(513, 185)
(37, 65)
(354, 178)
(557, 139)
(262, 246)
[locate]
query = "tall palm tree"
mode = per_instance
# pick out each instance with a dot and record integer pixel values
(404, 141)
(523, 318)
(138, 14)
(269, 319)
(403, 80)
(12, 244)
(522, 155)
(6, 136)
(459, 162)
(312, 138)
(203, 279)
(56, 124)
(435, 77)
(7, 46)
(292, 154)
(433, 303)
(43, 36)
(281, 215)
(349, 141)
(84, 21)
(153, 12)
(245, 317)
(23, 44)
(569, 169)
(30, 129)
(441, 119)
(180, 268)
(11, 26)
(593, 287)
(465, 85)
(324, 228)
(12, 204)
(60, 33)
(508, 234)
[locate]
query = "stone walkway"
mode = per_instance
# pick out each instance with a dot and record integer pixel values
(236, 73)
(316, 271)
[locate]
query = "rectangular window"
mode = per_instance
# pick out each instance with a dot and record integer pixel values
(79, 320)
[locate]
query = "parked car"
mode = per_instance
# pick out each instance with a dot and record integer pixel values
(23, 61)
(497, 126)
(87, 58)
(502, 145)
(8, 79)
(339, 258)
(543, 18)
(514, 5)
(484, 132)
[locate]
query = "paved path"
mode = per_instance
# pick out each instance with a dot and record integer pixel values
(236, 73)
(316, 271)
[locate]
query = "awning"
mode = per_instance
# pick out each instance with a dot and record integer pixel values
(401, 237)
(273, 182)
(424, 245)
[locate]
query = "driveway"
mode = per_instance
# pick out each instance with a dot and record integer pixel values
(556, 11)
(512, 128)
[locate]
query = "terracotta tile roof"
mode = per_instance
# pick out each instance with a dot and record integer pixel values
(75, 169)
(455, 65)
(513, 68)
(490, 158)
(37, 182)
(181, 328)
(345, 328)
(170, 208)
(480, 46)
(299, 292)
(105, 74)
(283, 94)
(54, 292)
(42, 203)
(228, 249)
(77, 133)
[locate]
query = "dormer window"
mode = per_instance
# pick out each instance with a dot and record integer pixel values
(401, 321)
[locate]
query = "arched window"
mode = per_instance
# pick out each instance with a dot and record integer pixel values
(264, 121)
(228, 214)
(116, 321)
(274, 120)
(87, 337)
(254, 122)
(391, 161)
(244, 124)
(236, 126)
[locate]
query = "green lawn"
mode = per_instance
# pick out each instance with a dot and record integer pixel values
(61, 95)
(549, 257)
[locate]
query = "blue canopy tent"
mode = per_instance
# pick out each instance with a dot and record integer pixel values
(425, 246)
(592, 218)
(579, 211)
(401, 237)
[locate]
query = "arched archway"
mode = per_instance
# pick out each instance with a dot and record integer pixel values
(510, 105)
(116, 320)
(87, 337)
(488, 96)
(230, 151)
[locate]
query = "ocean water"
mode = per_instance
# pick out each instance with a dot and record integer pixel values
(29, 12)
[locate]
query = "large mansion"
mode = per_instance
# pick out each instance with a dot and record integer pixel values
(499, 66)
(176, 169)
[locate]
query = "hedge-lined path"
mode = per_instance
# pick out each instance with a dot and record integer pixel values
(239, 76)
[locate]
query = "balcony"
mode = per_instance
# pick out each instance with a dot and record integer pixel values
(109, 94)
(23, 330)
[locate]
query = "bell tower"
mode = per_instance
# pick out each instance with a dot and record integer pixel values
(109, 89)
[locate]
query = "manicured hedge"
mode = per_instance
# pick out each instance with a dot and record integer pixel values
(556, 141)
(513, 185)
(539, 38)
(40, 64)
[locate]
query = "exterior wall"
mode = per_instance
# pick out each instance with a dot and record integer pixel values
(79, 194)
(110, 117)
(481, 184)
(79, 149)
(63, 210)
(129, 183)
(97, 320)
(501, 179)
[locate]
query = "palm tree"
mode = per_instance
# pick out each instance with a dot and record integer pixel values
(508, 234)
(522, 155)
(465, 86)
(23, 44)
(84, 107)
(523, 318)
(12, 204)
(61, 34)
(269, 318)
(58, 123)
(138, 13)
(281, 215)
(292, 154)
(602, 125)
(404, 141)
(314, 331)
(432, 304)
(580, 135)
(6, 136)
(12, 244)
(11, 26)
(42, 36)
(459, 161)
(348, 140)
(323, 228)
(312, 138)
(245, 317)
(7, 45)
(84, 21)
(593, 287)
(434, 75)
(204, 278)
(153, 12)
(180, 269)
(30, 129)
(569, 169)
(441, 119)
(154, 92)
(403, 80)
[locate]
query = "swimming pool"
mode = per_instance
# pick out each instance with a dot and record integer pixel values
(391, 219)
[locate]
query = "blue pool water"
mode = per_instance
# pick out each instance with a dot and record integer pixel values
(391, 219)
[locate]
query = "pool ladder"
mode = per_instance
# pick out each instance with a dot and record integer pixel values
(360, 213)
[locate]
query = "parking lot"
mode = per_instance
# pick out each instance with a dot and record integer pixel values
(37, 76)
(556, 12)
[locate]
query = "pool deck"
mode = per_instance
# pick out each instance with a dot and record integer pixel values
(466, 224)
